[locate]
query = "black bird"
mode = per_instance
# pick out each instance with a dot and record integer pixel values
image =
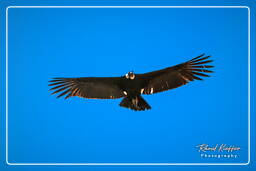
(131, 86)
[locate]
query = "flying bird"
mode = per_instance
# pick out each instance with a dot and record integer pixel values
(131, 86)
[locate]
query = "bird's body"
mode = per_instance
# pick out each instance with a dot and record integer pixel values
(132, 86)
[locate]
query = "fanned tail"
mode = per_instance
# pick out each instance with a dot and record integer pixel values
(135, 103)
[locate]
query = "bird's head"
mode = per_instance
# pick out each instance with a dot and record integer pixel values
(130, 75)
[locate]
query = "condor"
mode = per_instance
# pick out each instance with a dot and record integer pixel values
(131, 86)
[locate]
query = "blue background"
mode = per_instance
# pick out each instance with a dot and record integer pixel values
(46, 43)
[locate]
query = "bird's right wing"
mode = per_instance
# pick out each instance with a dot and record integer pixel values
(88, 87)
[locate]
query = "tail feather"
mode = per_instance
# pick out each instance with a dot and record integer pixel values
(136, 103)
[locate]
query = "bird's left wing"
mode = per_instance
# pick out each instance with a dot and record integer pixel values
(176, 76)
(87, 87)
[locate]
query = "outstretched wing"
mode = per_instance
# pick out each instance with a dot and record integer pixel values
(176, 76)
(87, 87)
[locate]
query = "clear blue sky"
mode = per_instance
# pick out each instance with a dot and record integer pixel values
(47, 43)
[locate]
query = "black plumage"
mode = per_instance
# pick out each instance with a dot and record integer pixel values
(131, 86)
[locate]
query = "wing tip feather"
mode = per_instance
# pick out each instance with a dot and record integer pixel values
(199, 65)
